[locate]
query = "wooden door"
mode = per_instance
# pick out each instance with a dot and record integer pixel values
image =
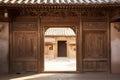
(24, 51)
(95, 51)
(62, 52)
(95, 55)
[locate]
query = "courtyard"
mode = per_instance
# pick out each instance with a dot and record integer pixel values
(60, 64)
(61, 76)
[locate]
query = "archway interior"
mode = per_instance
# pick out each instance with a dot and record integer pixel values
(60, 49)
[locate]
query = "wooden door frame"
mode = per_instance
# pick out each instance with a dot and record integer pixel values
(75, 29)
(76, 24)
(79, 31)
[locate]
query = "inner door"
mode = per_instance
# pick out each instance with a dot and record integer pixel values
(62, 50)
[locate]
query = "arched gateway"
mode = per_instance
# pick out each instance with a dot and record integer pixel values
(28, 20)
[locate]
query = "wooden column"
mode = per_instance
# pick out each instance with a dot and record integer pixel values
(79, 45)
(39, 61)
(10, 46)
(41, 47)
(108, 42)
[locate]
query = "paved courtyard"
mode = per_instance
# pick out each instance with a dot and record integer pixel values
(60, 64)
(61, 76)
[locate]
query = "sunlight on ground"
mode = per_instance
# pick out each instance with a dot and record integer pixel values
(60, 64)
(32, 77)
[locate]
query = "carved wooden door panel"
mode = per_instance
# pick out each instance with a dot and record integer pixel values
(24, 51)
(95, 51)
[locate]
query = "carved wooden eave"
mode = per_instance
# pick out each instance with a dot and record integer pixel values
(59, 6)
(85, 8)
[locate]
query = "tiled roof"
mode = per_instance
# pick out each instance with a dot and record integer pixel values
(49, 39)
(59, 32)
(58, 1)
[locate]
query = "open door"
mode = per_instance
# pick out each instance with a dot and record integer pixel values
(62, 49)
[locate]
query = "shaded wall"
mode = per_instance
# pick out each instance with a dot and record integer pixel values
(4, 39)
(115, 50)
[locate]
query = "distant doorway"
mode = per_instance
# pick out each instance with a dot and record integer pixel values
(62, 49)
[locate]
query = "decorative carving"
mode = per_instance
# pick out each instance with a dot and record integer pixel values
(117, 26)
(93, 12)
(45, 28)
(44, 12)
(57, 13)
(74, 29)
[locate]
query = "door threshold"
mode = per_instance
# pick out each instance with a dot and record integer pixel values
(60, 72)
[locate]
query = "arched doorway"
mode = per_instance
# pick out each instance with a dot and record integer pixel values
(59, 49)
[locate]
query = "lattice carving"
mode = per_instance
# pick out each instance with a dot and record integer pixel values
(93, 12)
(44, 12)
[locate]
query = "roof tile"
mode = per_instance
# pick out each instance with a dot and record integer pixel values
(59, 1)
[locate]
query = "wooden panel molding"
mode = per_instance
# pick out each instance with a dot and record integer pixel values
(94, 44)
(25, 26)
(60, 21)
(94, 25)
(24, 55)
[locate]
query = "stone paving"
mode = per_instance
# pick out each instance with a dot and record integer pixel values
(61, 76)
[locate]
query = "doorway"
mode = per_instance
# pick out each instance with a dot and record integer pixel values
(62, 50)
(59, 49)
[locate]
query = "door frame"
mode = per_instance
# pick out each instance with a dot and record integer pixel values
(75, 29)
